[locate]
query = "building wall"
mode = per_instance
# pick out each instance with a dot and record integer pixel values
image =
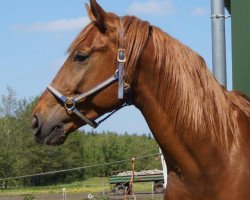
(240, 11)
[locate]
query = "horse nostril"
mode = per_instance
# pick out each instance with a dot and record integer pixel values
(36, 124)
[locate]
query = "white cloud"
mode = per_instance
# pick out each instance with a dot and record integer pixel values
(199, 11)
(61, 25)
(151, 7)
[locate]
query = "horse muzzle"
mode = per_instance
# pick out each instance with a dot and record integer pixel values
(48, 133)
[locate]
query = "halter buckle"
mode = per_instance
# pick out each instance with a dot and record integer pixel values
(70, 104)
(121, 57)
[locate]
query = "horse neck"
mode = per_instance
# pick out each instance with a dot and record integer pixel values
(184, 147)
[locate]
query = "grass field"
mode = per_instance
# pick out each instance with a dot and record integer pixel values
(93, 185)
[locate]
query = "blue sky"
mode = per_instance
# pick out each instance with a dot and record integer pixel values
(35, 35)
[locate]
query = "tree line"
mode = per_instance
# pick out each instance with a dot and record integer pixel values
(21, 155)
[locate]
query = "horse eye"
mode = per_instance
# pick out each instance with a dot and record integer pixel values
(81, 57)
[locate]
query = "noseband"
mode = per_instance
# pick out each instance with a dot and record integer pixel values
(70, 102)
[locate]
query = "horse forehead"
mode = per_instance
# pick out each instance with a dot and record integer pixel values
(94, 39)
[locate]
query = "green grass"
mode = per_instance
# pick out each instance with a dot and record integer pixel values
(89, 185)
(93, 185)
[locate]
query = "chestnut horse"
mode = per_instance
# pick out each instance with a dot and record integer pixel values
(202, 129)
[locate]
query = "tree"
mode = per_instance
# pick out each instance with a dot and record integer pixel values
(9, 103)
(8, 126)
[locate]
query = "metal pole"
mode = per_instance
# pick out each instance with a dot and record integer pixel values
(218, 41)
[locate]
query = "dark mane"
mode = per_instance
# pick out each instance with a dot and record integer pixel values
(195, 99)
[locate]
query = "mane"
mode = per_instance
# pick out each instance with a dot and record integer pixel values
(184, 85)
(136, 33)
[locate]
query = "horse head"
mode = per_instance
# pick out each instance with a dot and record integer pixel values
(86, 86)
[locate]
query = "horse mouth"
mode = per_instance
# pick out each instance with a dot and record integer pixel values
(56, 137)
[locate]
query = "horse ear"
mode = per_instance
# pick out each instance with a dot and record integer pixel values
(98, 14)
(90, 14)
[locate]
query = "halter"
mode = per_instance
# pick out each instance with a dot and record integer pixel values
(70, 102)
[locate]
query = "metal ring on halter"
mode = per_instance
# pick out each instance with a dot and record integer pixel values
(70, 104)
(121, 58)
